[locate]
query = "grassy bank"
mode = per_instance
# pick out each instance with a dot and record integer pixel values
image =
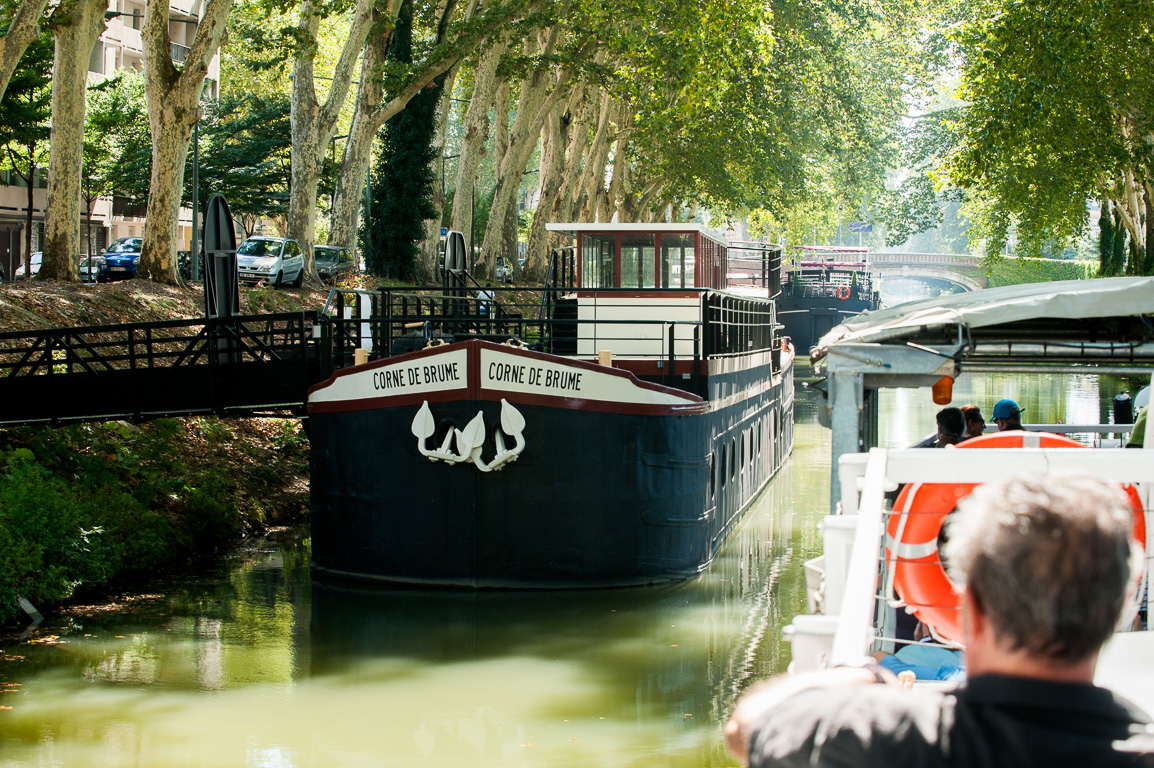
(89, 508)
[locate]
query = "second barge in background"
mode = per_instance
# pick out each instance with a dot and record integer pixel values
(609, 429)
(822, 287)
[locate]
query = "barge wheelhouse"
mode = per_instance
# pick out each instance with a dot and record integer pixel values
(823, 287)
(608, 429)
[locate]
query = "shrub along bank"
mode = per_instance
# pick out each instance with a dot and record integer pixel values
(94, 507)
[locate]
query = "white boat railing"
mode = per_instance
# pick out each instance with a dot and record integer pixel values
(853, 612)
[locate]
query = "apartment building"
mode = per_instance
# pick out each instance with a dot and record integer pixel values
(120, 47)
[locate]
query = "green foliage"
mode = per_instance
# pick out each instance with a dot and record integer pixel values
(1017, 271)
(917, 204)
(787, 107)
(289, 436)
(25, 119)
(245, 146)
(211, 515)
(1105, 241)
(1118, 257)
(26, 109)
(88, 507)
(118, 128)
(401, 193)
(1059, 96)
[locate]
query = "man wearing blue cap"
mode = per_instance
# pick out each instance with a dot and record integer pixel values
(1007, 415)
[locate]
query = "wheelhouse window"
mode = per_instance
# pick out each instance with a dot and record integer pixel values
(597, 260)
(637, 260)
(677, 260)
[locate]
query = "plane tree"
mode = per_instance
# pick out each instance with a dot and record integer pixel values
(172, 94)
(76, 25)
(449, 33)
(20, 24)
(1060, 110)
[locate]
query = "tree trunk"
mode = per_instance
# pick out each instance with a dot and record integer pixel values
(592, 188)
(476, 127)
(368, 118)
(76, 25)
(370, 115)
(584, 113)
(614, 202)
(314, 124)
(173, 99)
(358, 150)
(539, 95)
(1148, 264)
(28, 213)
(431, 244)
(556, 143)
(25, 28)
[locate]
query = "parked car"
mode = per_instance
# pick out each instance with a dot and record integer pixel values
(272, 260)
(89, 269)
(37, 258)
(504, 271)
(333, 262)
(120, 260)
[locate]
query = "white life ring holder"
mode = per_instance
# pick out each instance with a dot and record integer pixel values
(916, 572)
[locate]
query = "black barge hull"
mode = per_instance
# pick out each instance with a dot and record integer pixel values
(617, 482)
(807, 318)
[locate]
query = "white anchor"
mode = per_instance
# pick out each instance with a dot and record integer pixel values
(471, 440)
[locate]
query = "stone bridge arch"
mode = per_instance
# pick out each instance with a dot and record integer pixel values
(961, 269)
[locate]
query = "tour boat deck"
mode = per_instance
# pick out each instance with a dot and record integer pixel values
(1097, 326)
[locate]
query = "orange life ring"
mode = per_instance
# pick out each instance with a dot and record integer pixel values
(843, 292)
(916, 569)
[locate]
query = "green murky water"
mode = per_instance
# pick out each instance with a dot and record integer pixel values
(255, 665)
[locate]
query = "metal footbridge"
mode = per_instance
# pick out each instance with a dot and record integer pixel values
(228, 364)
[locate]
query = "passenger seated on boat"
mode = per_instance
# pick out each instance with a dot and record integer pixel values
(975, 423)
(927, 660)
(1046, 564)
(951, 425)
(1007, 415)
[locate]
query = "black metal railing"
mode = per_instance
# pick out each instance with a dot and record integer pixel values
(661, 325)
(171, 343)
(265, 364)
(755, 264)
(240, 366)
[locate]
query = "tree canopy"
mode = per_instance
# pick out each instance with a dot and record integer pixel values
(792, 115)
(1059, 110)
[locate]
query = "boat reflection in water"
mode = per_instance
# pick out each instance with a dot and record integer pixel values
(635, 676)
(260, 666)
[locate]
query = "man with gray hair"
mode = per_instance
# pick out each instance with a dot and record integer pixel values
(1046, 565)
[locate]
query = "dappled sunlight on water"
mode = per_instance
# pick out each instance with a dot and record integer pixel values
(258, 666)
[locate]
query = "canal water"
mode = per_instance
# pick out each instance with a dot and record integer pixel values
(254, 665)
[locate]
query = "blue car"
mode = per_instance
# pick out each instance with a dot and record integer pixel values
(120, 260)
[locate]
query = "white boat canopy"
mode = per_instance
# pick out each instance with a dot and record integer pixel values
(1102, 326)
(1060, 300)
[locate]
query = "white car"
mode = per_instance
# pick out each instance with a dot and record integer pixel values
(270, 260)
(37, 258)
